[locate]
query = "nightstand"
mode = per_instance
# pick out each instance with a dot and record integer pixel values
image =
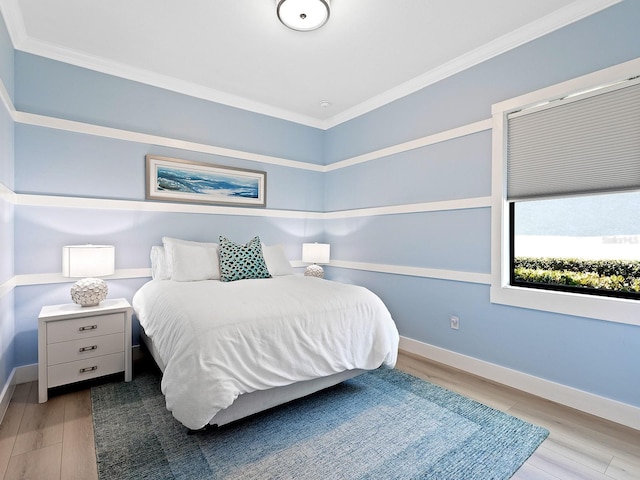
(79, 343)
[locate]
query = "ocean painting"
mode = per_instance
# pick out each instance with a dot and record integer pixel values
(182, 180)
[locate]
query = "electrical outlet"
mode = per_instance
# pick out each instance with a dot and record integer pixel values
(455, 322)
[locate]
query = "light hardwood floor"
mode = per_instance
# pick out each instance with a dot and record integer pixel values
(54, 440)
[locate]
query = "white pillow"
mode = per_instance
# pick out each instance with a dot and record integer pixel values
(276, 260)
(159, 264)
(189, 261)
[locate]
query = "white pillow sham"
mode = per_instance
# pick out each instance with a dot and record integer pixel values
(159, 264)
(276, 260)
(189, 261)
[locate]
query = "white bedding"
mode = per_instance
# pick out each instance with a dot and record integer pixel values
(219, 340)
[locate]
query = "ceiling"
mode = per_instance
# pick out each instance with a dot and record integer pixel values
(237, 52)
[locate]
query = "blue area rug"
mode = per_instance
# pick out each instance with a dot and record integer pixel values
(381, 425)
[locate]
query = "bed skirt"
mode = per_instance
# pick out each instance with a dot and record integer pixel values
(258, 401)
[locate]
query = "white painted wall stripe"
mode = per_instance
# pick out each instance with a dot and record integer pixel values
(50, 278)
(413, 144)
(6, 101)
(440, 274)
(7, 195)
(459, 204)
(147, 206)
(7, 287)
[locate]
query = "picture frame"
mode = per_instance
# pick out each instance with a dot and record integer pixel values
(176, 180)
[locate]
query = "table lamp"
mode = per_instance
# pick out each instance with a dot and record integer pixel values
(88, 261)
(315, 253)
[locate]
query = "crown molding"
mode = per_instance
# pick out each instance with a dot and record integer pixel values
(128, 72)
(558, 19)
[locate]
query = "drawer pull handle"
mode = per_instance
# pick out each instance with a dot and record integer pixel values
(88, 369)
(88, 349)
(88, 327)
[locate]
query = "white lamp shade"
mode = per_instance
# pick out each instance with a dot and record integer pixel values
(303, 15)
(88, 260)
(316, 252)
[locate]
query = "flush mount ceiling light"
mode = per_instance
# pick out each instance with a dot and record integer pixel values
(303, 15)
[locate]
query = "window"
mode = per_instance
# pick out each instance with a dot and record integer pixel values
(586, 244)
(566, 188)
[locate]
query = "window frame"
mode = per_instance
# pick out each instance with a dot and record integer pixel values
(620, 310)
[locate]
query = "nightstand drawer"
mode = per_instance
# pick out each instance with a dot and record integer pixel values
(85, 369)
(63, 352)
(79, 328)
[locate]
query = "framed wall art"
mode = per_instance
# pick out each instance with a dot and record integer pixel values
(175, 180)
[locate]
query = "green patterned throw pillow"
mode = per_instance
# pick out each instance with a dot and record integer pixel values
(238, 262)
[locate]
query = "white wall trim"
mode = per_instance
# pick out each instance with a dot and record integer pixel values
(7, 195)
(28, 279)
(167, 207)
(7, 287)
(603, 407)
(436, 206)
(7, 393)
(149, 206)
(6, 101)
(441, 274)
(26, 373)
(439, 137)
(126, 273)
(49, 278)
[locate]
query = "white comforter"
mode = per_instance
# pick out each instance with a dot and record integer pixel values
(219, 340)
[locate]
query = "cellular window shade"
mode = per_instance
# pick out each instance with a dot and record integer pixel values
(581, 146)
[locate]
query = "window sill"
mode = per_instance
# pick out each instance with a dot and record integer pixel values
(619, 310)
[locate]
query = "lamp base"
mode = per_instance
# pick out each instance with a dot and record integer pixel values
(314, 271)
(89, 292)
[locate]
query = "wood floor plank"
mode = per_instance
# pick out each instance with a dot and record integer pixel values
(483, 391)
(41, 464)
(42, 424)
(78, 449)
(11, 423)
(562, 467)
(624, 469)
(529, 472)
(592, 431)
(578, 451)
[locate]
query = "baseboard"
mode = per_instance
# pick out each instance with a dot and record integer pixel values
(7, 393)
(27, 373)
(603, 407)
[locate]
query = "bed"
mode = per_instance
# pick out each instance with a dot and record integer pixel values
(229, 349)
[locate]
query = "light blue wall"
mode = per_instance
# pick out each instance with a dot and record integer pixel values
(595, 356)
(6, 211)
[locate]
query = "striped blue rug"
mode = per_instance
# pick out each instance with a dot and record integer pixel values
(381, 425)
